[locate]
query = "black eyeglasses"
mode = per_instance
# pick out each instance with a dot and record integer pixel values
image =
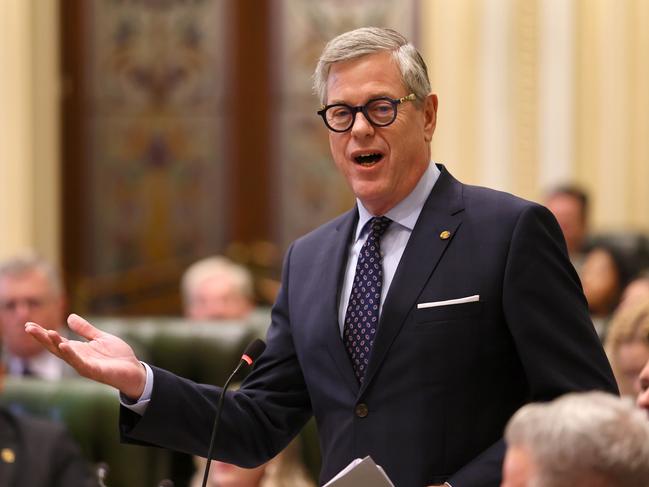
(380, 112)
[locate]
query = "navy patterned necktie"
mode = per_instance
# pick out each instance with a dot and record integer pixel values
(362, 316)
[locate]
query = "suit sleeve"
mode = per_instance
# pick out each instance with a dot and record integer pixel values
(547, 316)
(257, 421)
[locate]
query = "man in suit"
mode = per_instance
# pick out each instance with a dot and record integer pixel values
(30, 290)
(412, 326)
(38, 453)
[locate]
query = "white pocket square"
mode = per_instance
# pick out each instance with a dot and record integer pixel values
(435, 304)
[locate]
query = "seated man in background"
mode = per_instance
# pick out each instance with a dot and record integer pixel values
(569, 204)
(579, 440)
(39, 453)
(217, 288)
(30, 289)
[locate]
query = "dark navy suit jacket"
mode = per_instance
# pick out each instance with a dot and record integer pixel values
(40, 453)
(442, 381)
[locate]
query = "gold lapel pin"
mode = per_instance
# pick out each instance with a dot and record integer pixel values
(8, 455)
(445, 235)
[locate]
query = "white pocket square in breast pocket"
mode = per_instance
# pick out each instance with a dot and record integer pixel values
(448, 302)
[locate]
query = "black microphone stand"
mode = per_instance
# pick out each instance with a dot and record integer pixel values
(219, 407)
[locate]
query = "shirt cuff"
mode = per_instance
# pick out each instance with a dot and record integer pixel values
(142, 402)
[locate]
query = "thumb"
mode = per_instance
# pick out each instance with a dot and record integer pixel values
(82, 327)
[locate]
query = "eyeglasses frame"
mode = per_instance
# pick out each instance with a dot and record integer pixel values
(363, 109)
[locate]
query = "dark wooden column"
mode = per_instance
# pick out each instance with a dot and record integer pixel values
(73, 137)
(251, 119)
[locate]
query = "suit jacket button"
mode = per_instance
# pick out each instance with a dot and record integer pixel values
(361, 410)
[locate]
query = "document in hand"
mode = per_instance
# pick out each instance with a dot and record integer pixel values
(361, 473)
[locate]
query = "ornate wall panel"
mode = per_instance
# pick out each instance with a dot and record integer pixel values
(156, 127)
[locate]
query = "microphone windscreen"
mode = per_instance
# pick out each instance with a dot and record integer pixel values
(253, 351)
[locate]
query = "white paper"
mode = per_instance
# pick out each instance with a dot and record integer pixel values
(361, 473)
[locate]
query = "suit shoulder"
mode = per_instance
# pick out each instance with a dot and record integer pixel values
(487, 201)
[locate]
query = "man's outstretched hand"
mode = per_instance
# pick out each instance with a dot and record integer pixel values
(103, 358)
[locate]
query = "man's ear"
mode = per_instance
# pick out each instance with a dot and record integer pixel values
(430, 116)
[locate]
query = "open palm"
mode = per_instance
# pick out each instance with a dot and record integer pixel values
(104, 357)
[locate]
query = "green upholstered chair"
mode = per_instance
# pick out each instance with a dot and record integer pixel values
(90, 412)
(206, 352)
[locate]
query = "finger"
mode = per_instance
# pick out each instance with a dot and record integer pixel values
(55, 338)
(72, 357)
(43, 337)
(82, 327)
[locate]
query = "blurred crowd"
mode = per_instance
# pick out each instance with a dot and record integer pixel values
(614, 271)
(214, 289)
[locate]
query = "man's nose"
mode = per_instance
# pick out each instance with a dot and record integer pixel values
(22, 308)
(362, 126)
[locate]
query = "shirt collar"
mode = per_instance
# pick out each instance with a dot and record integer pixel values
(42, 365)
(407, 211)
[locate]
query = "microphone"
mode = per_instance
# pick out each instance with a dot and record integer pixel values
(102, 473)
(166, 483)
(250, 354)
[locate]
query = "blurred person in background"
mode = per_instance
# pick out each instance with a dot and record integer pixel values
(604, 275)
(627, 346)
(217, 288)
(569, 204)
(38, 453)
(30, 289)
(637, 291)
(285, 470)
(589, 439)
(642, 400)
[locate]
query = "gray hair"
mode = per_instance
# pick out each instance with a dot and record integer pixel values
(216, 266)
(584, 435)
(369, 40)
(26, 263)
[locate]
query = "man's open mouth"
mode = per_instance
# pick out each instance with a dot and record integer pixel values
(368, 159)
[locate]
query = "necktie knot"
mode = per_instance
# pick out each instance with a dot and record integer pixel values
(378, 226)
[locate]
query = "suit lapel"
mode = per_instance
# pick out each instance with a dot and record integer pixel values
(441, 213)
(336, 254)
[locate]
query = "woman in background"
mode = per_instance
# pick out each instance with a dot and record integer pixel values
(627, 346)
(604, 275)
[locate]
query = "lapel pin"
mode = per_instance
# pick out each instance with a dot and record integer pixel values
(8, 455)
(445, 235)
